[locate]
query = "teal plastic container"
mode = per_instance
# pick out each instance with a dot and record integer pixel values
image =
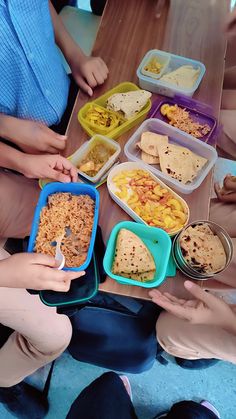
(157, 241)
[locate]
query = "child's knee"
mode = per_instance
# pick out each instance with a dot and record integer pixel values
(61, 335)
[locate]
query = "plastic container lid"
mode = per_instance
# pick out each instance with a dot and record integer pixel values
(102, 100)
(198, 112)
(165, 88)
(177, 137)
(80, 154)
(75, 189)
(135, 166)
(157, 241)
(162, 58)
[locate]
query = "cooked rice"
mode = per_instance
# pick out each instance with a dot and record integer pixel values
(66, 212)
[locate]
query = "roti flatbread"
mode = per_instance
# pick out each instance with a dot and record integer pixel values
(129, 104)
(147, 158)
(131, 255)
(144, 276)
(202, 249)
(184, 76)
(179, 162)
(150, 142)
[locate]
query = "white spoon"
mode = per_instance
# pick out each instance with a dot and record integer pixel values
(60, 258)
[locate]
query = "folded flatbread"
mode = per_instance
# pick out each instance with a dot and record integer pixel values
(180, 163)
(147, 158)
(202, 249)
(131, 255)
(143, 276)
(184, 76)
(128, 104)
(150, 142)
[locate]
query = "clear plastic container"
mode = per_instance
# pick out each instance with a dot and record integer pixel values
(162, 58)
(135, 166)
(167, 89)
(157, 241)
(177, 137)
(79, 155)
(102, 100)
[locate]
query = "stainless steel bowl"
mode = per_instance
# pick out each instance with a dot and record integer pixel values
(188, 269)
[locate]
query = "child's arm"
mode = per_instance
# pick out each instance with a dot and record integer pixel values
(32, 137)
(201, 308)
(35, 271)
(53, 167)
(87, 71)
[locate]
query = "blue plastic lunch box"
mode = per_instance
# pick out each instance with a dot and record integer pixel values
(75, 189)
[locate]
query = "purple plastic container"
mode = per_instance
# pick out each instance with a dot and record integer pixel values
(198, 111)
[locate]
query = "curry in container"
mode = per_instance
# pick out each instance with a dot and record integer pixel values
(96, 158)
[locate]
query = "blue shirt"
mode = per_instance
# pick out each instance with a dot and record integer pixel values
(33, 82)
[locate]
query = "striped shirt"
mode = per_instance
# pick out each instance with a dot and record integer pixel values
(33, 82)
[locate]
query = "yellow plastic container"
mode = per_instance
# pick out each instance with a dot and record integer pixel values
(102, 130)
(102, 100)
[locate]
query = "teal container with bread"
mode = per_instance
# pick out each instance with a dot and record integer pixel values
(156, 240)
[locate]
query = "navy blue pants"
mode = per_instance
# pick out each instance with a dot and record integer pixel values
(107, 398)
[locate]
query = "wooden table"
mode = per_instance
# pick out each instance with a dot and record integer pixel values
(127, 31)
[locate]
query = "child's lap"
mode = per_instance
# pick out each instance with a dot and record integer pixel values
(18, 198)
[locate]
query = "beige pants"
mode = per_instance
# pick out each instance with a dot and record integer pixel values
(41, 335)
(188, 341)
(18, 198)
(227, 139)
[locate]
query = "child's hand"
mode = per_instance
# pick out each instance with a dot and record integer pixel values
(228, 192)
(89, 72)
(204, 308)
(54, 167)
(34, 138)
(35, 271)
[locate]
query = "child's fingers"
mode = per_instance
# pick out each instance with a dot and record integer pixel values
(230, 184)
(99, 76)
(218, 190)
(90, 78)
(103, 66)
(231, 197)
(84, 85)
(58, 176)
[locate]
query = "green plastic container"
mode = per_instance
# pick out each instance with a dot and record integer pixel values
(102, 100)
(157, 241)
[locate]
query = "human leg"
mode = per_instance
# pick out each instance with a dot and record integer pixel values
(18, 198)
(194, 341)
(104, 398)
(227, 139)
(40, 336)
(188, 409)
(230, 78)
